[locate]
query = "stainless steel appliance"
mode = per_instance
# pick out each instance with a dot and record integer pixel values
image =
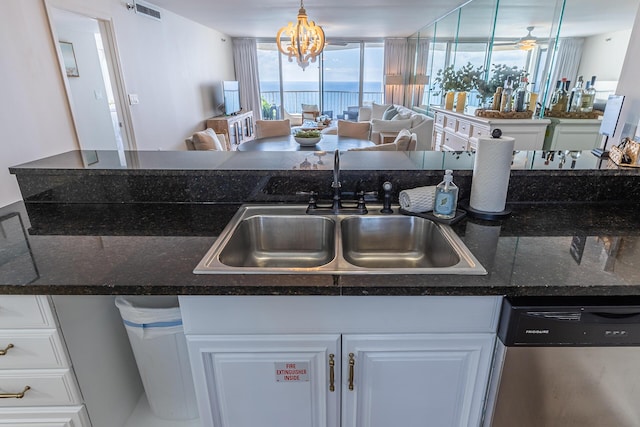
(567, 362)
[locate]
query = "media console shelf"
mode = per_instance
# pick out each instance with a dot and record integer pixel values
(237, 128)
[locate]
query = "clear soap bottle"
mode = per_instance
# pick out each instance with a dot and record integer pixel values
(446, 197)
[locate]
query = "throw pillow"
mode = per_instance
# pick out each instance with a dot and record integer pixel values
(358, 130)
(206, 140)
(390, 125)
(216, 141)
(403, 139)
(416, 119)
(390, 113)
(401, 116)
(377, 110)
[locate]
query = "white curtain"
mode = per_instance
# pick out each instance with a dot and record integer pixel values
(245, 59)
(395, 63)
(418, 53)
(566, 62)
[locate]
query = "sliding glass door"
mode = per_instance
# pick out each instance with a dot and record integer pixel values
(347, 75)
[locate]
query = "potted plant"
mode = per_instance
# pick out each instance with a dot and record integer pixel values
(462, 80)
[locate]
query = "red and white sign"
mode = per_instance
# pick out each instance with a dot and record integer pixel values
(292, 371)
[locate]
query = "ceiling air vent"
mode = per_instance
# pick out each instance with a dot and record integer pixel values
(147, 10)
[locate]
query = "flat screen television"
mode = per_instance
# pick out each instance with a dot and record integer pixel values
(231, 92)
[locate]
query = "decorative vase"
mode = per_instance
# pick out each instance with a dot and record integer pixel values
(448, 100)
(461, 102)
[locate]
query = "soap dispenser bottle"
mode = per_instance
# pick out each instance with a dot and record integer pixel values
(446, 197)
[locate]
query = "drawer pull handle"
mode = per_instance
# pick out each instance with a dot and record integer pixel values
(352, 363)
(332, 374)
(15, 395)
(3, 352)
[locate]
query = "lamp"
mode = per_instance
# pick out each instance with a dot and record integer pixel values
(304, 40)
(393, 79)
(527, 42)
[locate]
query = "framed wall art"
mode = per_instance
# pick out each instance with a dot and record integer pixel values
(69, 58)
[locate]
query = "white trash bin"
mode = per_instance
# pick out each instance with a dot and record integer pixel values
(154, 326)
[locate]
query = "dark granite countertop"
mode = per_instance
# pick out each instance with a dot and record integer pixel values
(576, 249)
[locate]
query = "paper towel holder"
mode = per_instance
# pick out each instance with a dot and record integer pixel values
(489, 216)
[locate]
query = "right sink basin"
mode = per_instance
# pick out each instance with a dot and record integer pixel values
(396, 242)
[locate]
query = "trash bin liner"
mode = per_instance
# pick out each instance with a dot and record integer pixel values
(154, 327)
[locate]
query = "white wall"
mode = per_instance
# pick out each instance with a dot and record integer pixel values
(604, 55)
(34, 117)
(629, 87)
(88, 92)
(172, 65)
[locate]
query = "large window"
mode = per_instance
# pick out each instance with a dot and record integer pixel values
(347, 75)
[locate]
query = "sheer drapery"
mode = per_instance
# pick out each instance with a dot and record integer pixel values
(406, 58)
(418, 52)
(566, 62)
(245, 59)
(395, 64)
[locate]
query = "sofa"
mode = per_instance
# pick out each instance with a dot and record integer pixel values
(384, 120)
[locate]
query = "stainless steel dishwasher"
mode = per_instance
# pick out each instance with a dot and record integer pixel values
(567, 362)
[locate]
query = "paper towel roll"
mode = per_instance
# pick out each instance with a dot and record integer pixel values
(491, 171)
(419, 199)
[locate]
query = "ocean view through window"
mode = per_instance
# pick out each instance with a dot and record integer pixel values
(343, 80)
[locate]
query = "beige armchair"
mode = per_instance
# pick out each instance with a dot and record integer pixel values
(310, 112)
(295, 119)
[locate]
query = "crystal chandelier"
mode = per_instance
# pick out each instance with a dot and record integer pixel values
(304, 40)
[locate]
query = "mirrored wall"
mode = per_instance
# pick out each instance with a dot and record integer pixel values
(545, 41)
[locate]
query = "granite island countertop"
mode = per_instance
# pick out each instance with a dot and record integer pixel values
(543, 249)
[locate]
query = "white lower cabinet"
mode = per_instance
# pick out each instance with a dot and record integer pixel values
(71, 416)
(37, 384)
(415, 380)
(341, 361)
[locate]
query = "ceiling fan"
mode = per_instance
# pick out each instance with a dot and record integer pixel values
(527, 42)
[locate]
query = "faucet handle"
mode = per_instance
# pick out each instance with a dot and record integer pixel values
(312, 198)
(361, 207)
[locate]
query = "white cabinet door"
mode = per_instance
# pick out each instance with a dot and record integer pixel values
(266, 380)
(415, 380)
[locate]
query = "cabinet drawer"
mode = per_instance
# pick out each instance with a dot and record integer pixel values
(464, 128)
(454, 143)
(479, 131)
(25, 312)
(451, 124)
(439, 120)
(47, 387)
(61, 416)
(32, 349)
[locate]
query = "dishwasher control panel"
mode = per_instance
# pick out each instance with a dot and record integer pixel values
(564, 324)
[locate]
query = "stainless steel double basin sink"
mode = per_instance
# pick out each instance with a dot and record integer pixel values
(283, 239)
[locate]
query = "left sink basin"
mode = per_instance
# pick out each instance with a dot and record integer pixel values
(290, 241)
(272, 239)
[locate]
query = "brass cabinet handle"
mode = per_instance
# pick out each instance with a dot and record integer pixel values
(332, 374)
(352, 363)
(15, 395)
(3, 352)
